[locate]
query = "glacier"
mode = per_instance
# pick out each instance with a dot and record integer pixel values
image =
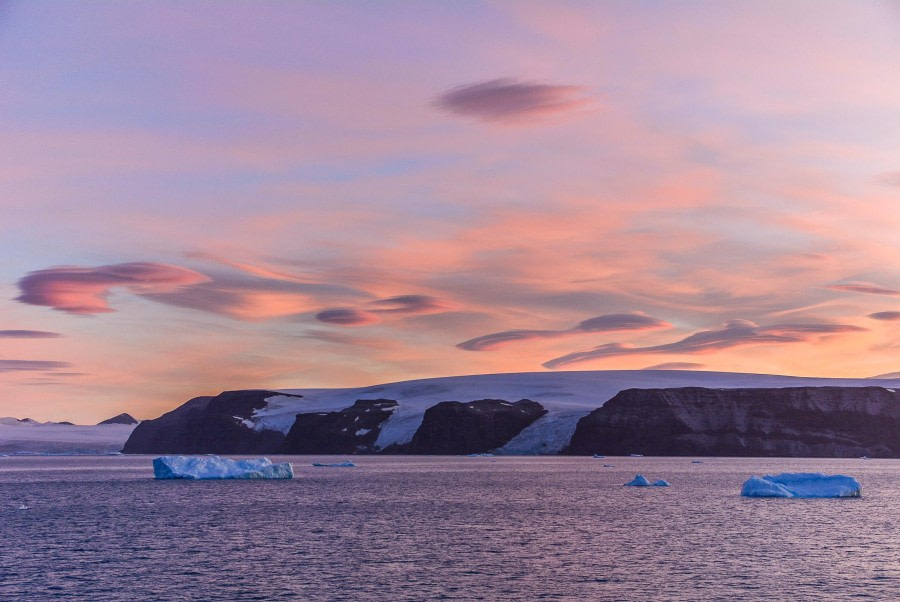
(801, 485)
(214, 467)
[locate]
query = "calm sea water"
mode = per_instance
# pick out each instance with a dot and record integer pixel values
(417, 528)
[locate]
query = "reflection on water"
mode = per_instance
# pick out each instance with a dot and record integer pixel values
(413, 528)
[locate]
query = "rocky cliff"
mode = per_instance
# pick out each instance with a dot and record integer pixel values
(476, 427)
(352, 430)
(791, 421)
(207, 425)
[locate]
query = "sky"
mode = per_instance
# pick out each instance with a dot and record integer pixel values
(202, 196)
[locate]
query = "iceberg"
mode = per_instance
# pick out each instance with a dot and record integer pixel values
(801, 484)
(639, 480)
(660, 483)
(214, 467)
(346, 464)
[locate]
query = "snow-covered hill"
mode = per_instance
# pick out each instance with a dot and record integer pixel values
(566, 395)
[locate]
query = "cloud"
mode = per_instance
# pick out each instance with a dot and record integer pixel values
(346, 316)
(869, 288)
(30, 365)
(604, 323)
(83, 290)
(28, 334)
(888, 316)
(400, 305)
(510, 100)
(675, 366)
(409, 304)
(735, 333)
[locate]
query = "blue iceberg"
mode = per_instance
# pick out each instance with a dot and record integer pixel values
(639, 480)
(214, 467)
(801, 484)
(660, 483)
(346, 464)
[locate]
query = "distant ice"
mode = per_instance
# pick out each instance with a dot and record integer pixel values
(660, 483)
(214, 467)
(638, 481)
(52, 438)
(346, 464)
(801, 484)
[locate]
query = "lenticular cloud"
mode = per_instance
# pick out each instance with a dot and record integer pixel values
(83, 290)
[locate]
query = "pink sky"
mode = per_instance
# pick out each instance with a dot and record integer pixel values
(196, 197)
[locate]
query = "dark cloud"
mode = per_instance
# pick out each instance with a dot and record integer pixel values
(30, 365)
(735, 333)
(28, 334)
(675, 366)
(346, 316)
(406, 305)
(864, 287)
(83, 290)
(604, 323)
(508, 100)
(888, 316)
(409, 304)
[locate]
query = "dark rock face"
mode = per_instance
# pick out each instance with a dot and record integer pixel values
(207, 425)
(789, 422)
(477, 427)
(120, 419)
(352, 430)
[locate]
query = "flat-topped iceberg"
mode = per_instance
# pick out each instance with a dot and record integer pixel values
(801, 484)
(214, 467)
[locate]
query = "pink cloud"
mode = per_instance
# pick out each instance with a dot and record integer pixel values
(510, 100)
(735, 333)
(83, 290)
(869, 288)
(604, 323)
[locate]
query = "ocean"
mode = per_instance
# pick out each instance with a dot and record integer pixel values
(444, 528)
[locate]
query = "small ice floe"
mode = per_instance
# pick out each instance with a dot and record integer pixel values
(598, 456)
(214, 467)
(635, 455)
(696, 461)
(801, 484)
(479, 455)
(22, 507)
(660, 483)
(609, 466)
(346, 464)
(638, 481)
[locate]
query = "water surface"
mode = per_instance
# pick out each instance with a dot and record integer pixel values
(415, 528)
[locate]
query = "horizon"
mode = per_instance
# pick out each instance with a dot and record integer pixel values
(318, 195)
